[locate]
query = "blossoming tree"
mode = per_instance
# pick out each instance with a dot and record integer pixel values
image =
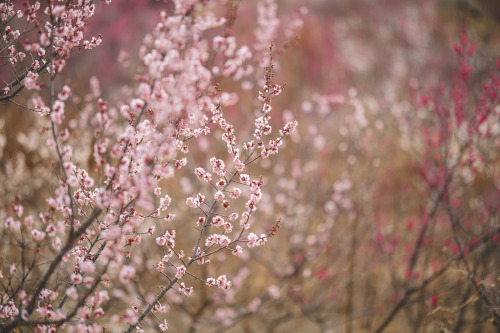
(105, 225)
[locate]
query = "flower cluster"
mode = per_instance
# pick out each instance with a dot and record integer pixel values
(109, 219)
(222, 282)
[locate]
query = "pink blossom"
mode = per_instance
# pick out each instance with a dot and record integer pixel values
(48, 294)
(217, 221)
(221, 183)
(112, 233)
(223, 282)
(38, 235)
(76, 278)
(65, 93)
(219, 196)
(127, 273)
(218, 166)
(225, 316)
(137, 239)
(88, 280)
(160, 267)
(254, 305)
(164, 325)
(98, 313)
(169, 217)
(21, 294)
(87, 266)
(185, 290)
(211, 282)
(129, 316)
(192, 202)
(18, 209)
(56, 243)
(245, 179)
(252, 240)
(25, 315)
(237, 251)
(240, 166)
(157, 191)
(244, 221)
(111, 162)
(289, 128)
(201, 221)
(181, 270)
(228, 227)
(137, 104)
(10, 223)
(165, 202)
(202, 174)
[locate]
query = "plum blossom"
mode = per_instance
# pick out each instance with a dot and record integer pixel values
(160, 267)
(193, 202)
(217, 221)
(137, 104)
(252, 239)
(181, 270)
(183, 289)
(112, 162)
(87, 266)
(238, 164)
(202, 174)
(237, 251)
(219, 196)
(38, 235)
(65, 93)
(289, 128)
(245, 179)
(218, 166)
(223, 282)
(164, 325)
(127, 273)
(76, 278)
